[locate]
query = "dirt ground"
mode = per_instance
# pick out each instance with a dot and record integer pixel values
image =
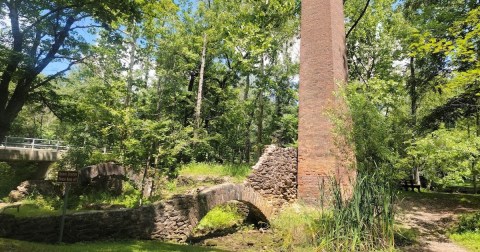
(430, 215)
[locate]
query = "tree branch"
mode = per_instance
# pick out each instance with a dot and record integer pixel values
(59, 40)
(56, 75)
(359, 18)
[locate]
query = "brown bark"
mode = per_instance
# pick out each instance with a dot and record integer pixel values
(198, 107)
(11, 104)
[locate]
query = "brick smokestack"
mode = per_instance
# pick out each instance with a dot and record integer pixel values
(323, 66)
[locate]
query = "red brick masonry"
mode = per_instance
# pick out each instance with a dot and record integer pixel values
(322, 69)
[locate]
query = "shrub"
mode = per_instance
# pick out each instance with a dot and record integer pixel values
(297, 226)
(468, 223)
(6, 179)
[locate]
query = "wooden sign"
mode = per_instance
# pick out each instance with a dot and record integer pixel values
(67, 176)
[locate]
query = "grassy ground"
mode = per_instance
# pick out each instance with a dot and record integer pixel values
(114, 246)
(470, 240)
(236, 171)
(220, 217)
(442, 199)
(31, 210)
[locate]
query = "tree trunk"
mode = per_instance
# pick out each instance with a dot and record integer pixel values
(198, 107)
(131, 64)
(413, 113)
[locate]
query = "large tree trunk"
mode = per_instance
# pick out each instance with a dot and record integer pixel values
(11, 104)
(198, 107)
(413, 113)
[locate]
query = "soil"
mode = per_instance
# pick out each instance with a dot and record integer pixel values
(430, 215)
(252, 240)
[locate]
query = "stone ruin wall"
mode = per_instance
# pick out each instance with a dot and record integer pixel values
(170, 220)
(272, 184)
(275, 175)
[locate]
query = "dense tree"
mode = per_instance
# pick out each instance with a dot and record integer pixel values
(38, 33)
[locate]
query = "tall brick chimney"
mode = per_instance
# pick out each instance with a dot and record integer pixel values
(323, 67)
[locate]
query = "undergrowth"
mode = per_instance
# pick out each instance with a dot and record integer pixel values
(237, 171)
(362, 222)
(220, 217)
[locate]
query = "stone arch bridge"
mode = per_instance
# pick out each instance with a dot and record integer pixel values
(271, 185)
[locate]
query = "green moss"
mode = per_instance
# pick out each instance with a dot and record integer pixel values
(113, 246)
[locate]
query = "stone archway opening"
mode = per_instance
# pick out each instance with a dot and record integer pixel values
(228, 218)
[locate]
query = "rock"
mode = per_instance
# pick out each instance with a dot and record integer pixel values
(104, 176)
(30, 187)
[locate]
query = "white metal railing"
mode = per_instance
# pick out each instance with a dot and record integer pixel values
(32, 143)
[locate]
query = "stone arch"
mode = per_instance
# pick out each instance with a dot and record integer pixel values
(221, 194)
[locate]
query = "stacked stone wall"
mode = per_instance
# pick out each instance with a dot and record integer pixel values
(275, 175)
(171, 220)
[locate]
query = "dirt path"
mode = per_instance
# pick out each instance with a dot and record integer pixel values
(430, 215)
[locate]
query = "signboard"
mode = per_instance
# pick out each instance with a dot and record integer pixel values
(67, 176)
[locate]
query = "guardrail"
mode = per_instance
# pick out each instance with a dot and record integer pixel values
(33, 143)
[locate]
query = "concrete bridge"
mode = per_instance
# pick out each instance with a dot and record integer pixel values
(31, 149)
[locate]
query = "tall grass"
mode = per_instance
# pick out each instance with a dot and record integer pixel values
(362, 222)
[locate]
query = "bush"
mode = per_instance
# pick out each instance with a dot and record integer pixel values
(129, 198)
(468, 223)
(7, 183)
(297, 226)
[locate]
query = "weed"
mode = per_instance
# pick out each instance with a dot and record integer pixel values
(220, 217)
(237, 171)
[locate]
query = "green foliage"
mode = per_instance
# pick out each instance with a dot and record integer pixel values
(297, 226)
(129, 198)
(445, 156)
(12, 174)
(405, 237)
(468, 223)
(237, 171)
(6, 179)
(220, 217)
(364, 222)
(470, 240)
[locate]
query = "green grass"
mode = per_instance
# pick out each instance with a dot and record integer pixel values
(470, 240)
(220, 217)
(107, 246)
(297, 225)
(237, 171)
(31, 210)
(442, 199)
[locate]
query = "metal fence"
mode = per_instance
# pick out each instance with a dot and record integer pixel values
(33, 143)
